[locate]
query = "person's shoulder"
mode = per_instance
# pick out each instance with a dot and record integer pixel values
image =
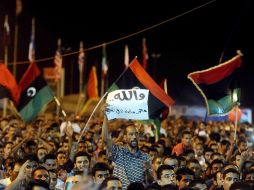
(145, 156)
(176, 146)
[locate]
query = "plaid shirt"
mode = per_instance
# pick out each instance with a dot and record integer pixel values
(128, 167)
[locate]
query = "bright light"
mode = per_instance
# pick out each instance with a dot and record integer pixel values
(235, 98)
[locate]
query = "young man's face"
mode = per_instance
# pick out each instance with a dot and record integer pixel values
(30, 167)
(157, 162)
(167, 177)
(199, 150)
(186, 140)
(82, 147)
(216, 167)
(61, 159)
(41, 174)
(219, 179)
(50, 164)
(7, 149)
(237, 160)
(53, 179)
(249, 177)
(114, 184)
(132, 136)
(243, 146)
(185, 181)
(229, 179)
(100, 176)
(41, 154)
(208, 156)
(81, 163)
(196, 168)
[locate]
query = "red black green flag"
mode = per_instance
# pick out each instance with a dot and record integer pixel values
(218, 85)
(136, 77)
(35, 93)
(8, 85)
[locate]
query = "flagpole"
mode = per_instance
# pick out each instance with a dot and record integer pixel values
(81, 67)
(237, 104)
(166, 91)
(104, 69)
(60, 107)
(18, 10)
(91, 116)
(235, 122)
(58, 72)
(236, 119)
(5, 100)
(81, 76)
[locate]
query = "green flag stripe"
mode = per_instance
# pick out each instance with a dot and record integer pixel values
(223, 105)
(32, 109)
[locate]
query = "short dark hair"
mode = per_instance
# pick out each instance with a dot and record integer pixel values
(230, 170)
(49, 157)
(82, 153)
(215, 136)
(161, 168)
(188, 151)
(214, 154)
(225, 142)
(186, 133)
(194, 182)
(241, 140)
(105, 181)
(208, 150)
(183, 171)
(38, 168)
(102, 153)
(169, 186)
(30, 143)
(251, 171)
(192, 161)
(31, 157)
(239, 185)
(100, 166)
(136, 185)
(60, 152)
(217, 161)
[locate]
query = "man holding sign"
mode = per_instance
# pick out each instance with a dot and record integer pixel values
(134, 95)
(131, 164)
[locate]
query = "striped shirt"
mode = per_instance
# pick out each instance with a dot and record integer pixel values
(128, 167)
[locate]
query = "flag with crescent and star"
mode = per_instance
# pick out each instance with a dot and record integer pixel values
(35, 94)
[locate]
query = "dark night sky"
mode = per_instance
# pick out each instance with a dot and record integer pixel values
(192, 42)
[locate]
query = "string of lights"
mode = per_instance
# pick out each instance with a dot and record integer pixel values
(122, 38)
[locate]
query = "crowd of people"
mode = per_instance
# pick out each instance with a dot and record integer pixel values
(121, 154)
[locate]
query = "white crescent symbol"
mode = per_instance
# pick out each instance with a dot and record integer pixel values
(135, 87)
(31, 91)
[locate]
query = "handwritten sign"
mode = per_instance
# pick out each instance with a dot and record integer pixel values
(128, 104)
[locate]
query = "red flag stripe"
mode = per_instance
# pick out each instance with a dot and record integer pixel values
(30, 75)
(148, 82)
(223, 70)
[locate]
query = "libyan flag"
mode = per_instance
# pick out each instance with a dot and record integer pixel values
(218, 86)
(35, 94)
(136, 77)
(8, 85)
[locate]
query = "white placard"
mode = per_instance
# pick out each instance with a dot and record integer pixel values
(128, 104)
